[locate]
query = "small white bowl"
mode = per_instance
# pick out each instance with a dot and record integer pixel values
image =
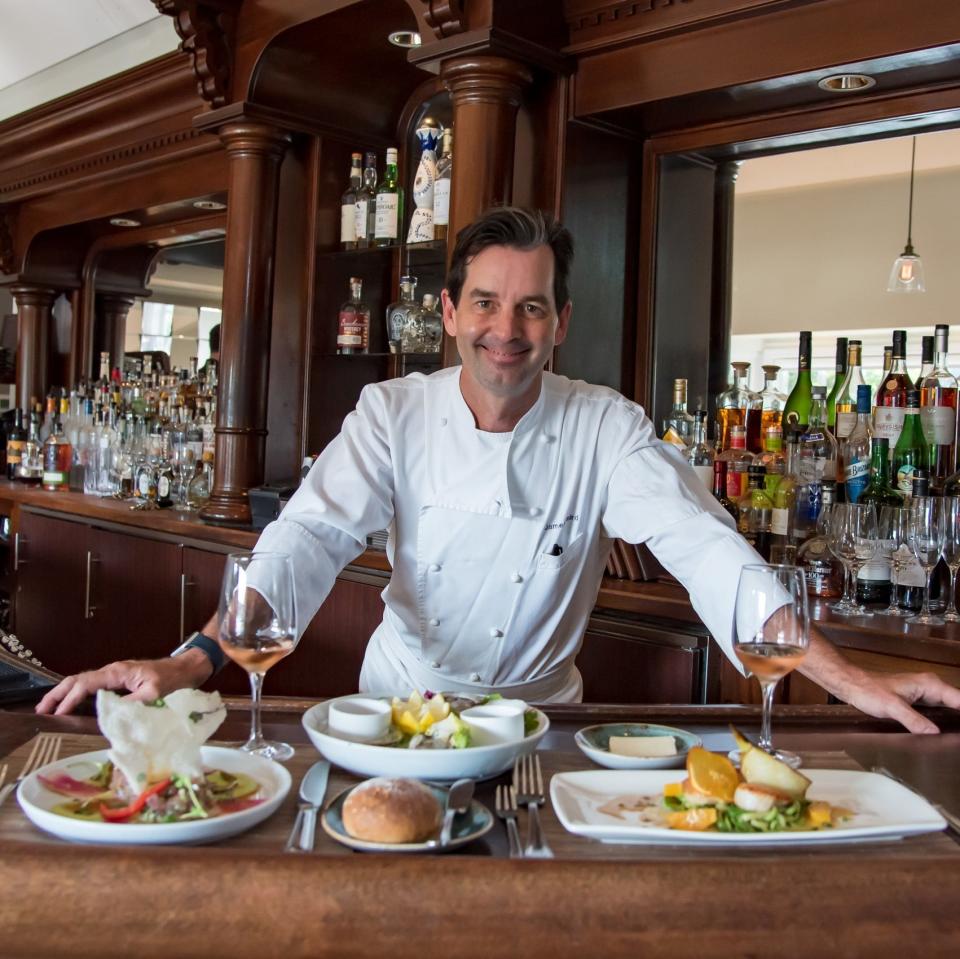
(360, 717)
(494, 723)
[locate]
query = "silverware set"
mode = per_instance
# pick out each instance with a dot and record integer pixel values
(526, 790)
(45, 750)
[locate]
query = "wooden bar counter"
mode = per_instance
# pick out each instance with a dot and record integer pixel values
(246, 898)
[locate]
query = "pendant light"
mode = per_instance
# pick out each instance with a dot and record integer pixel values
(907, 273)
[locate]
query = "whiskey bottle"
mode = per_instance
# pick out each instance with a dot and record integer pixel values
(389, 213)
(366, 205)
(892, 393)
(441, 188)
(31, 461)
(348, 206)
(353, 332)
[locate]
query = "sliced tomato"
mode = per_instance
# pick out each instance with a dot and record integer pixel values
(68, 786)
(122, 813)
(237, 805)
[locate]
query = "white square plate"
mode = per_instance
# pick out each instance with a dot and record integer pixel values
(883, 809)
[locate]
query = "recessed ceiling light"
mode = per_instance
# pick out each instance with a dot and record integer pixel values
(405, 38)
(847, 83)
(209, 205)
(123, 221)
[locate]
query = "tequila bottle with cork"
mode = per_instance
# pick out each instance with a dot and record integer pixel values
(441, 188)
(841, 372)
(845, 403)
(678, 425)
(772, 400)
(353, 330)
(938, 414)
(892, 393)
(732, 406)
(348, 206)
(797, 407)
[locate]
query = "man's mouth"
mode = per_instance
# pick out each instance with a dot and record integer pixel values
(504, 356)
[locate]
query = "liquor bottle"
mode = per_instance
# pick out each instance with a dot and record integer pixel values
(755, 510)
(938, 414)
(57, 456)
(732, 406)
(772, 459)
(910, 453)
(165, 481)
(926, 358)
(441, 188)
(389, 213)
(911, 579)
(31, 461)
(700, 456)
(16, 438)
(353, 331)
(818, 449)
(797, 408)
(348, 206)
(856, 449)
(822, 571)
(841, 372)
(873, 580)
(887, 363)
(720, 488)
(738, 459)
(367, 202)
(424, 328)
(892, 393)
(846, 399)
(784, 500)
(772, 400)
(678, 425)
(399, 313)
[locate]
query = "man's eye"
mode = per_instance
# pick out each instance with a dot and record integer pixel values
(534, 309)
(484, 304)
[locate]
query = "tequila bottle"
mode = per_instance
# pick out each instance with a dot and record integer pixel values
(441, 188)
(772, 400)
(399, 313)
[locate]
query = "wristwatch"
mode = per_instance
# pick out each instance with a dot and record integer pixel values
(207, 646)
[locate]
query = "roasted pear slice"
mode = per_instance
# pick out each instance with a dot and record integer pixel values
(760, 768)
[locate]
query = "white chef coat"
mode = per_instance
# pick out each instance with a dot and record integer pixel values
(499, 541)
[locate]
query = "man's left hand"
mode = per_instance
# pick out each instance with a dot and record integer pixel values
(890, 695)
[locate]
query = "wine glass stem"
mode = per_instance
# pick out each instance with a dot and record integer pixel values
(952, 608)
(926, 596)
(766, 738)
(256, 734)
(847, 598)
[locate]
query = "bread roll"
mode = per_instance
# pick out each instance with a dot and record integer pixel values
(392, 810)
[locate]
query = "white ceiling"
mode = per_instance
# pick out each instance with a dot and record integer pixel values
(854, 161)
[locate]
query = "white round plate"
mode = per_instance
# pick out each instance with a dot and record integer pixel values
(37, 801)
(439, 765)
(593, 742)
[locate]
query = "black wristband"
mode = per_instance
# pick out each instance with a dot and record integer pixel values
(209, 647)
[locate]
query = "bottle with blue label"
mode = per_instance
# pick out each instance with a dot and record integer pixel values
(856, 449)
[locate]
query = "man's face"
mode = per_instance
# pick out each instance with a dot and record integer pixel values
(506, 323)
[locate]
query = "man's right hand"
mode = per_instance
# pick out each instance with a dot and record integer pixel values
(146, 680)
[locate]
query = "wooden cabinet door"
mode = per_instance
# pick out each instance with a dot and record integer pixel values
(134, 586)
(328, 658)
(51, 592)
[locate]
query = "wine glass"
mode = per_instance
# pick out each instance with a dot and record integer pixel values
(951, 551)
(895, 537)
(852, 536)
(830, 526)
(772, 633)
(258, 627)
(927, 533)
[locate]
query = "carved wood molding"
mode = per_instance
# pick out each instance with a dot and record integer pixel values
(7, 253)
(205, 28)
(99, 161)
(484, 79)
(614, 11)
(445, 17)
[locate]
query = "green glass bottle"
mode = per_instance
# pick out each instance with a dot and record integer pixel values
(389, 210)
(797, 409)
(911, 452)
(880, 490)
(841, 371)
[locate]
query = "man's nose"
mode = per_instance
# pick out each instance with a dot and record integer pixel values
(506, 325)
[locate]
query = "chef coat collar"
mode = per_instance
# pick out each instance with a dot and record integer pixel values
(529, 419)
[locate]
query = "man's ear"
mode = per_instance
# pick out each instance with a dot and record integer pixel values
(563, 323)
(449, 313)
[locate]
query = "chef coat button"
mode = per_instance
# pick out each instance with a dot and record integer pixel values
(435, 664)
(516, 577)
(474, 677)
(443, 421)
(546, 438)
(495, 633)
(535, 511)
(434, 567)
(434, 621)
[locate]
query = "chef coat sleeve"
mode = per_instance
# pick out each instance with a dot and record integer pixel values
(347, 495)
(655, 498)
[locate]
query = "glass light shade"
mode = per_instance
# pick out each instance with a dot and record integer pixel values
(906, 276)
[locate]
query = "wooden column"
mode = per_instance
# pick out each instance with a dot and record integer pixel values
(34, 304)
(254, 152)
(486, 93)
(110, 329)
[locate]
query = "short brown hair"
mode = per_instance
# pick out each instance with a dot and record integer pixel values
(518, 228)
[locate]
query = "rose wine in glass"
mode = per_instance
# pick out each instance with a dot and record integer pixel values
(258, 628)
(772, 634)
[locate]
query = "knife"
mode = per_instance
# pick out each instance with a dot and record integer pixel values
(312, 790)
(458, 801)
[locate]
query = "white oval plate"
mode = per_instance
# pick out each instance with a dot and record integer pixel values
(37, 801)
(593, 742)
(439, 765)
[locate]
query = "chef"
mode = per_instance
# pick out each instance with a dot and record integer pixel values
(502, 487)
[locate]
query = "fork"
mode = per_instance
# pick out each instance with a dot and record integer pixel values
(506, 809)
(45, 750)
(528, 783)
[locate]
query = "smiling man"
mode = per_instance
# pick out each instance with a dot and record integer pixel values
(502, 486)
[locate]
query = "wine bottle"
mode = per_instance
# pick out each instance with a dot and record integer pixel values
(845, 402)
(797, 408)
(720, 488)
(892, 393)
(910, 453)
(841, 372)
